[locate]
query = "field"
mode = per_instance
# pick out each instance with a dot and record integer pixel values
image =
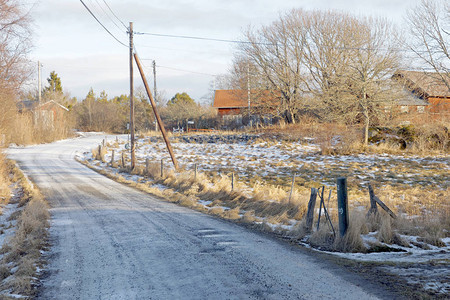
(413, 185)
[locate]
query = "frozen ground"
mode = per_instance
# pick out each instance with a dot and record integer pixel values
(273, 161)
(109, 241)
(269, 161)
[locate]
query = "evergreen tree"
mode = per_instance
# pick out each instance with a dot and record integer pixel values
(103, 97)
(181, 99)
(54, 83)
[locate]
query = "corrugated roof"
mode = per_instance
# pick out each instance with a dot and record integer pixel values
(408, 98)
(428, 83)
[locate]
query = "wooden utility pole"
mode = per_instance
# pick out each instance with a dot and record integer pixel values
(154, 89)
(133, 147)
(158, 118)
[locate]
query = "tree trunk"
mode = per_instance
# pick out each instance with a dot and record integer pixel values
(366, 119)
(290, 116)
(366, 129)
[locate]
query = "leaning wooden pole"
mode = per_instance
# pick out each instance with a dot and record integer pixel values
(158, 118)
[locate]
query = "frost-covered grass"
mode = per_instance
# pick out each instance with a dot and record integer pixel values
(414, 185)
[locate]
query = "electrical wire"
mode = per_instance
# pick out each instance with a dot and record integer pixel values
(107, 15)
(260, 43)
(208, 52)
(115, 15)
(92, 14)
(197, 38)
(187, 71)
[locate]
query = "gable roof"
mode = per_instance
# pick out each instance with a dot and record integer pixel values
(425, 84)
(239, 98)
(230, 99)
(50, 103)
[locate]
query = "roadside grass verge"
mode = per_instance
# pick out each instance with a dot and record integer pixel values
(185, 189)
(20, 255)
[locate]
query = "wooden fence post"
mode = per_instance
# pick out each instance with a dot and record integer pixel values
(383, 206)
(342, 205)
(162, 167)
(232, 181)
(292, 188)
(320, 206)
(112, 157)
(310, 213)
(373, 203)
(123, 160)
(99, 155)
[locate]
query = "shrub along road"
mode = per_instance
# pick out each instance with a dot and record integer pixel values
(109, 241)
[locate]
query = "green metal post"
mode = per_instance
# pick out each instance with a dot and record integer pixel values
(342, 204)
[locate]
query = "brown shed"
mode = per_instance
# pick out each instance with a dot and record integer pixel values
(49, 113)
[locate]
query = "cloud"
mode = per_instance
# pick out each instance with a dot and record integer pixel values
(71, 42)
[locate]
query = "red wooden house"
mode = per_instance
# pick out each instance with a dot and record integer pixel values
(428, 87)
(241, 102)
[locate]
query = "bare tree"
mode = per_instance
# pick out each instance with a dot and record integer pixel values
(429, 25)
(276, 50)
(15, 44)
(334, 63)
(14, 47)
(372, 63)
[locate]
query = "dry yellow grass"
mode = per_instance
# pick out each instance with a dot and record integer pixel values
(99, 153)
(5, 181)
(22, 252)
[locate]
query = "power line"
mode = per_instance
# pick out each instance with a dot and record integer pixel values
(187, 71)
(262, 43)
(115, 15)
(107, 15)
(197, 38)
(184, 50)
(92, 14)
(171, 68)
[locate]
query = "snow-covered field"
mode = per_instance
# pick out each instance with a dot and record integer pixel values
(273, 161)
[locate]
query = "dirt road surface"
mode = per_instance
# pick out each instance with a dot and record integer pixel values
(109, 241)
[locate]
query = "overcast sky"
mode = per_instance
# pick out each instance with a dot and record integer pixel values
(69, 41)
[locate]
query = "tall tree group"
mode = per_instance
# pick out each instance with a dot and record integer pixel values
(333, 63)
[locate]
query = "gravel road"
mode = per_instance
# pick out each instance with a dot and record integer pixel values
(109, 241)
